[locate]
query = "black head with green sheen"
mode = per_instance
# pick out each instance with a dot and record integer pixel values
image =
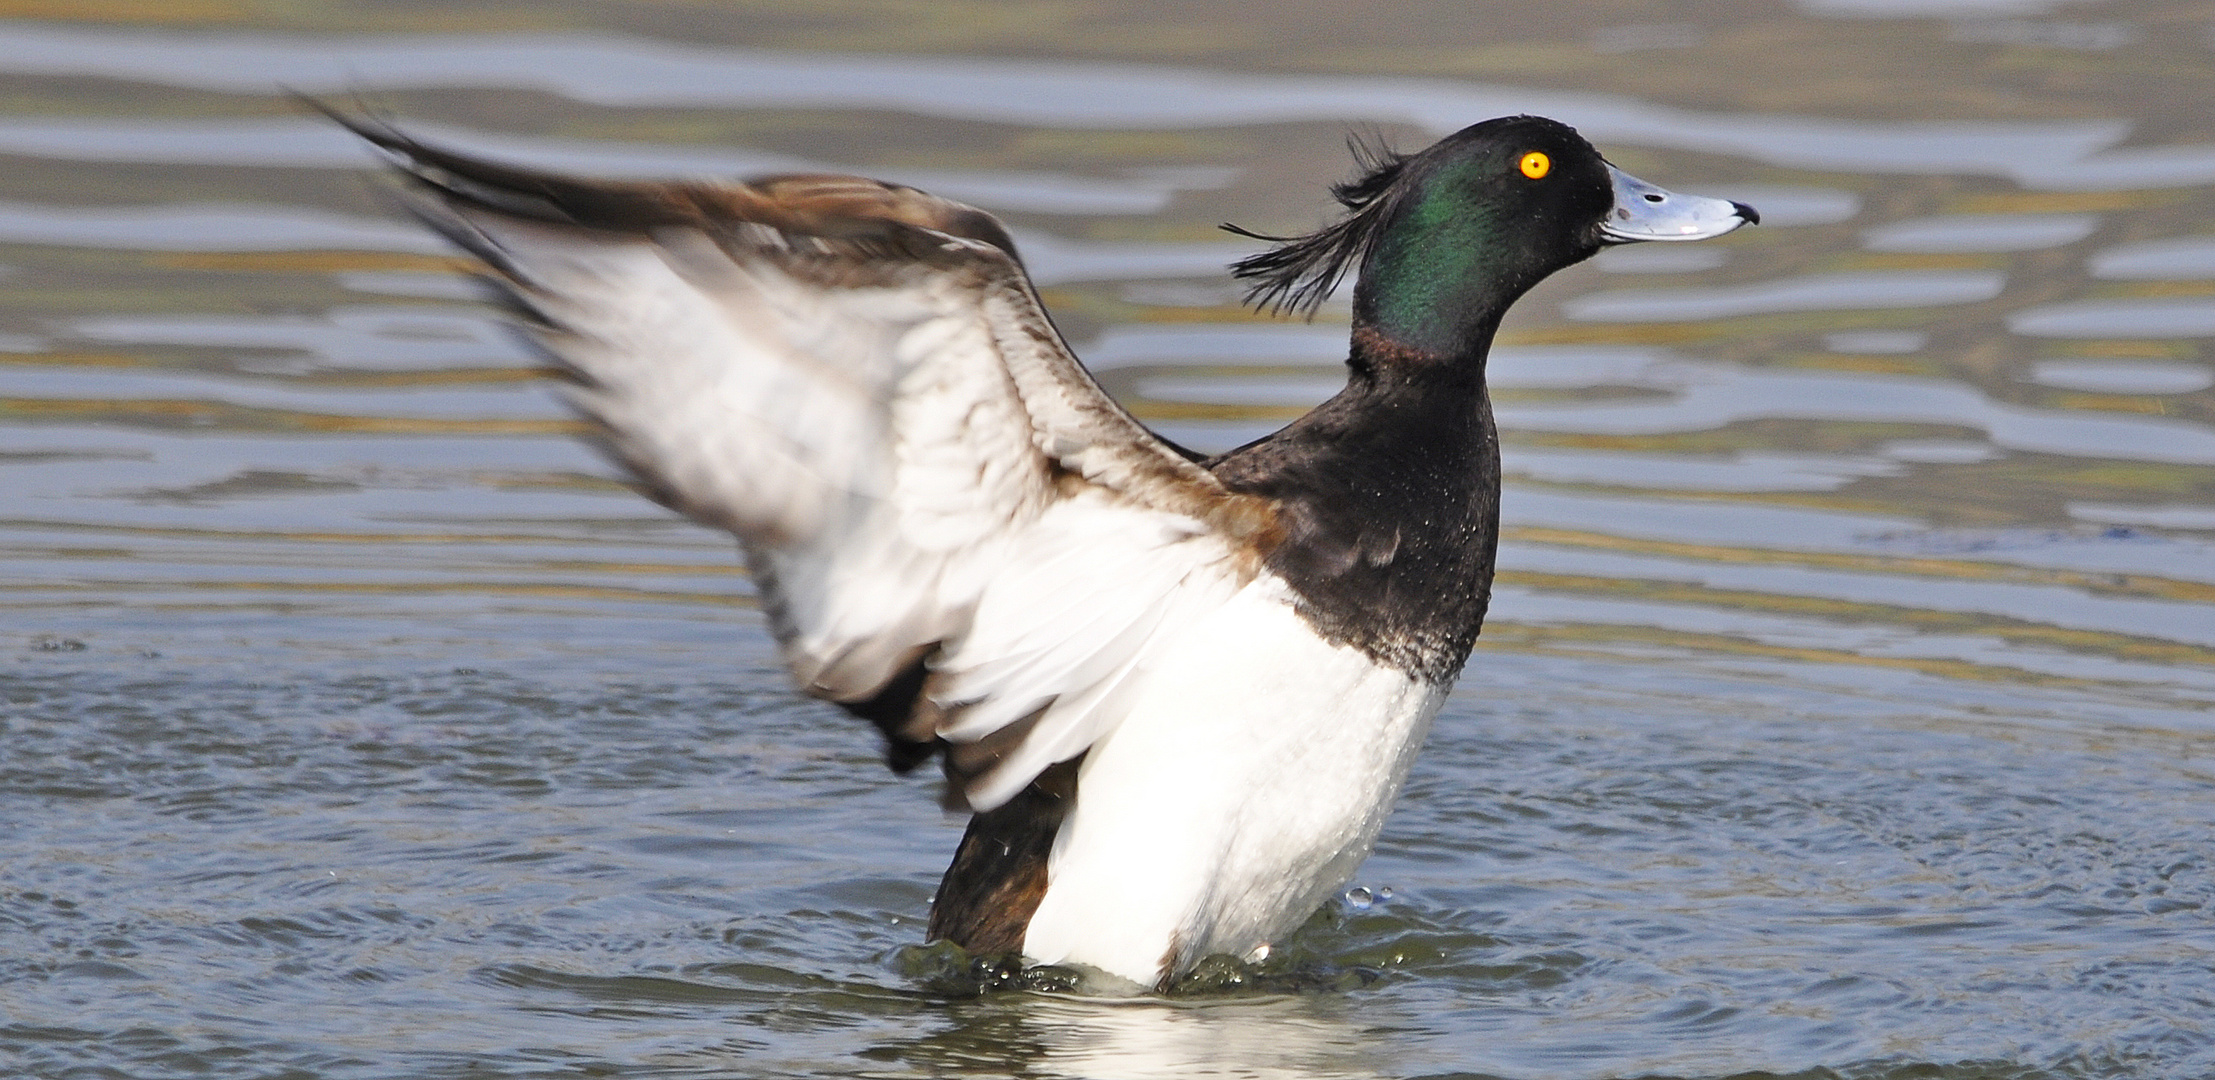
(1448, 237)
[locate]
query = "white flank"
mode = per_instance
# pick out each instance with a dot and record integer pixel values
(1243, 785)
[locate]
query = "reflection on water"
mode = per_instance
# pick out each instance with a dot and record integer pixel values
(1842, 707)
(1659, 259)
(2168, 517)
(1745, 471)
(1981, 232)
(1258, 1038)
(202, 228)
(1876, 342)
(1819, 292)
(2188, 257)
(346, 337)
(2124, 376)
(2148, 318)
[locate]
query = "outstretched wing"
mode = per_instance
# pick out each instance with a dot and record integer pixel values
(956, 533)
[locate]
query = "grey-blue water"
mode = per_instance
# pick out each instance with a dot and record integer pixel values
(1844, 709)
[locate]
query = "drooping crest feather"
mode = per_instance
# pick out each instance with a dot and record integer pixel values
(1301, 271)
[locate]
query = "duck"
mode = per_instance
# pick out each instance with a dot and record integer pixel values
(1176, 693)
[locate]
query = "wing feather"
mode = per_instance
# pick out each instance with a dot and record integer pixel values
(857, 380)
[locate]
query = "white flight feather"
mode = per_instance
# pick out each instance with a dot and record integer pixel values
(886, 451)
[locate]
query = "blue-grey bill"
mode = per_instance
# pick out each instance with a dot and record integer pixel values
(1645, 212)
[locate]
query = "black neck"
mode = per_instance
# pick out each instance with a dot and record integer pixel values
(1390, 497)
(1381, 362)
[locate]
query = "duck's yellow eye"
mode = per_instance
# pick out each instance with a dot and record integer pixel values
(1535, 165)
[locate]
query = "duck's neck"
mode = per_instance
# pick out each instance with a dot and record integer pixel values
(1382, 363)
(1437, 282)
(1389, 493)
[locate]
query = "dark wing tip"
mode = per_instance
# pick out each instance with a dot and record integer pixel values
(463, 180)
(361, 120)
(878, 215)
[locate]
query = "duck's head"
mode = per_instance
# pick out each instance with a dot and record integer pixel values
(1448, 237)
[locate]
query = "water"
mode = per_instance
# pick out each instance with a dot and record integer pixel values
(1844, 710)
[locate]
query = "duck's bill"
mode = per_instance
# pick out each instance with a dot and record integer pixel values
(1645, 212)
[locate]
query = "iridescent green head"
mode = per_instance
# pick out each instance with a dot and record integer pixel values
(1448, 237)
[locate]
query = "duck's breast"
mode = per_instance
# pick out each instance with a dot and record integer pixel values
(1247, 781)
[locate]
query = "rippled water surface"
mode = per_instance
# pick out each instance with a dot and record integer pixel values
(1844, 709)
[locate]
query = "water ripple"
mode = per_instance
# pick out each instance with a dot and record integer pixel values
(1819, 292)
(615, 71)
